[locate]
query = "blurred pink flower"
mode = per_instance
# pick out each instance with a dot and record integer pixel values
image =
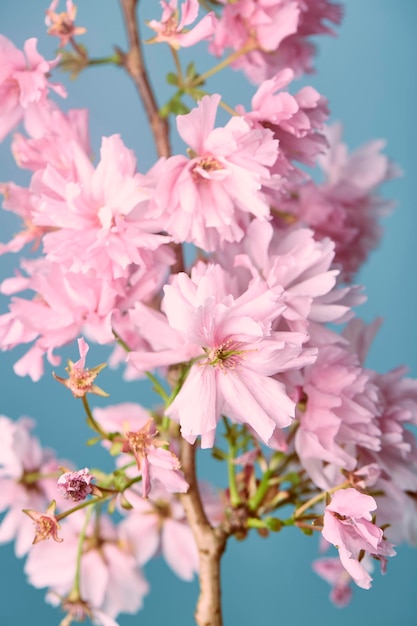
(172, 29)
(23, 83)
(348, 525)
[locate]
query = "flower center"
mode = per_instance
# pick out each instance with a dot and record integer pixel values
(206, 165)
(227, 356)
(44, 527)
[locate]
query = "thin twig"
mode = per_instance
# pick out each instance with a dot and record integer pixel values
(134, 63)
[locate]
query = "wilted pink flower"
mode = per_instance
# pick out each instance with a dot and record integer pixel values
(348, 525)
(153, 460)
(76, 485)
(63, 24)
(172, 30)
(81, 379)
(46, 524)
(23, 83)
(140, 437)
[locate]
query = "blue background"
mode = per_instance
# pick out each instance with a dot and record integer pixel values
(368, 75)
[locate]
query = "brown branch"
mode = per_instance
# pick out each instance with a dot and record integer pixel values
(211, 543)
(134, 63)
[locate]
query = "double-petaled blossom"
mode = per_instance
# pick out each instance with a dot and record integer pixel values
(65, 305)
(296, 121)
(172, 30)
(297, 266)
(346, 206)
(233, 354)
(24, 83)
(396, 457)
(99, 221)
(338, 416)
(273, 34)
(209, 197)
(348, 525)
(57, 139)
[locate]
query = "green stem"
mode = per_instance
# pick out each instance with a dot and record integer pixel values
(318, 498)
(158, 387)
(257, 498)
(75, 592)
(91, 421)
(33, 477)
(83, 505)
(199, 80)
(235, 498)
(111, 60)
(178, 67)
(120, 341)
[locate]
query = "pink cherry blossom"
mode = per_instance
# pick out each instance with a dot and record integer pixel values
(346, 206)
(341, 405)
(235, 355)
(333, 572)
(273, 34)
(209, 197)
(348, 525)
(23, 83)
(66, 305)
(55, 138)
(100, 220)
(171, 29)
(294, 120)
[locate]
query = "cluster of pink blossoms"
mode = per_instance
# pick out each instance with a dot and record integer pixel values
(241, 334)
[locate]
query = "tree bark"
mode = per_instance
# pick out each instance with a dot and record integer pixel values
(211, 543)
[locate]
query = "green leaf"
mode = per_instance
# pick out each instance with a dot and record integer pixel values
(93, 441)
(273, 524)
(172, 79)
(191, 71)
